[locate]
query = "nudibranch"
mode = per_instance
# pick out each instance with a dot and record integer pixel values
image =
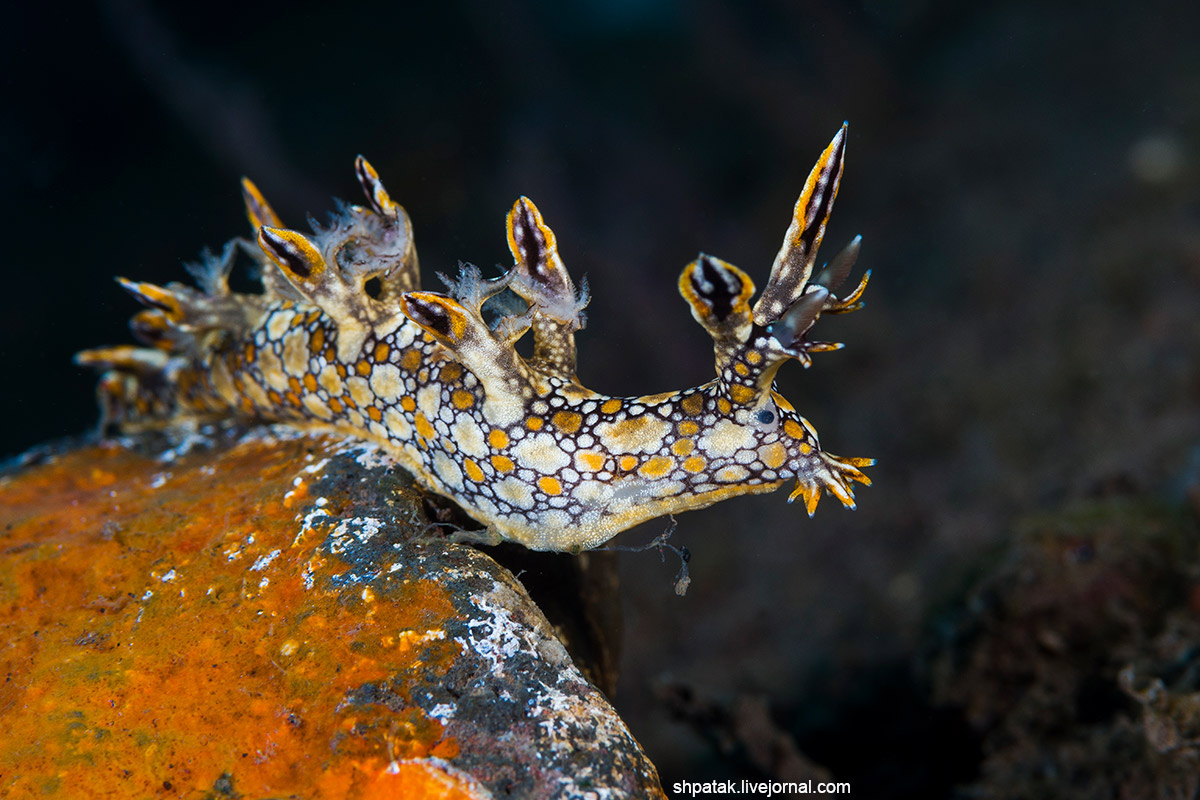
(342, 339)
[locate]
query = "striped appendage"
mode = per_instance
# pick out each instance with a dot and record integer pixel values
(518, 442)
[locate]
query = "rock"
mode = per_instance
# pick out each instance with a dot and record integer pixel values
(1074, 656)
(258, 613)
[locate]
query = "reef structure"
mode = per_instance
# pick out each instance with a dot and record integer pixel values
(342, 339)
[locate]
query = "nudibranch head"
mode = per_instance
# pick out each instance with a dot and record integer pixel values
(751, 343)
(344, 339)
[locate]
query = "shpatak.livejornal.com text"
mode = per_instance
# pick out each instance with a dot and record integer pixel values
(758, 788)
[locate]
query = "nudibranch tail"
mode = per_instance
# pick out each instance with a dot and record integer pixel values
(344, 339)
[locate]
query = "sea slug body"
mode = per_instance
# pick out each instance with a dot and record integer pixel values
(342, 339)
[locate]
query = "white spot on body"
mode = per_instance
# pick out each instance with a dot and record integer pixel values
(592, 493)
(429, 400)
(396, 422)
(503, 413)
(279, 324)
(255, 392)
(724, 438)
(386, 382)
(295, 352)
(447, 470)
(330, 380)
(360, 391)
(405, 334)
(541, 453)
(317, 406)
(639, 435)
(732, 474)
(515, 491)
(469, 437)
(272, 370)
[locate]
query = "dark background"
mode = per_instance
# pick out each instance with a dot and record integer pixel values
(1025, 176)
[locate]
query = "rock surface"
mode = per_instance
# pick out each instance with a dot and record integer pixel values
(1074, 658)
(260, 614)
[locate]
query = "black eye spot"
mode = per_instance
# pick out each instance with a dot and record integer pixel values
(766, 417)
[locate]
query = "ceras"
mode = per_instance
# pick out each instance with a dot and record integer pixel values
(342, 339)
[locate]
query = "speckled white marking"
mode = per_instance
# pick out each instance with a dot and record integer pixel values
(386, 382)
